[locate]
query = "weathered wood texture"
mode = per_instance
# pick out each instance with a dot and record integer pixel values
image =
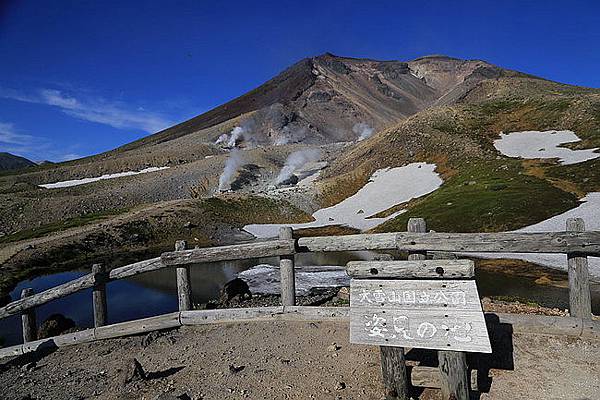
(140, 267)
(393, 373)
(430, 314)
(422, 269)
(586, 243)
(234, 252)
(524, 324)
(580, 304)
(454, 377)
(99, 296)
(138, 326)
(286, 269)
(84, 282)
(28, 320)
(184, 289)
(393, 362)
(201, 317)
(429, 377)
(452, 365)
(376, 241)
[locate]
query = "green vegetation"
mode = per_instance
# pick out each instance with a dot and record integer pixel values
(486, 196)
(59, 226)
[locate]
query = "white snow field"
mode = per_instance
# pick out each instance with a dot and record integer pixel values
(83, 181)
(386, 188)
(537, 144)
(265, 278)
(589, 211)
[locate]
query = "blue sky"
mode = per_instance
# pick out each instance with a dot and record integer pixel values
(82, 77)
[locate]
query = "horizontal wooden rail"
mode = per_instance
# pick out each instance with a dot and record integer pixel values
(270, 248)
(527, 324)
(18, 306)
(583, 243)
(577, 244)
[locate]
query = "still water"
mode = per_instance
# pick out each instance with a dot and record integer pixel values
(155, 292)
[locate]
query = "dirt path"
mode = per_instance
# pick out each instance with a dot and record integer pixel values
(9, 250)
(279, 360)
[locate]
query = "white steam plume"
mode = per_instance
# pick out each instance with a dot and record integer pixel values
(363, 130)
(222, 139)
(236, 134)
(232, 164)
(295, 161)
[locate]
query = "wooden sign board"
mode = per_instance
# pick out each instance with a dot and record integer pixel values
(430, 314)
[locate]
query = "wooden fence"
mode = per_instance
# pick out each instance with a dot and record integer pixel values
(575, 242)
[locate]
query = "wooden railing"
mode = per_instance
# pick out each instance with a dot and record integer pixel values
(575, 242)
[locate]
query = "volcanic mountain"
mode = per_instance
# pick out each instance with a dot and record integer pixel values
(436, 110)
(320, 99)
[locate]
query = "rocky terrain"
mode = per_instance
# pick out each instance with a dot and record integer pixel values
(284, 360)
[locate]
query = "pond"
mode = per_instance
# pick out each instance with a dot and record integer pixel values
(155, 293)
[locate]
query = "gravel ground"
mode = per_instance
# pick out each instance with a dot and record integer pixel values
(280, 360)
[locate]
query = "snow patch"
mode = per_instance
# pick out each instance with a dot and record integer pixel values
(83, 181)
(265, 279)
(589, 211)
(386, 188)
(537, 144)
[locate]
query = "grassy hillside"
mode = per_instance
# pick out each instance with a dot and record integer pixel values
(483, 190)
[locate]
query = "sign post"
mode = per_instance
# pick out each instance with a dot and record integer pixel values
(430, 304)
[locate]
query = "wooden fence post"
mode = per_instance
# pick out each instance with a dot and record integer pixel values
(28, 319)
(580, 305)
(184, 289)
(286, 269)
(454, 373)
(99, 296)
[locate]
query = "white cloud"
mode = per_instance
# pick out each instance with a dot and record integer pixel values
(10, 136)
(34, 148)
(95, 109)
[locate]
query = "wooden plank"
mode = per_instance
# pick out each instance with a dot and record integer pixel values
(429, 377)
(421, 269)
(28, 320)
(184, 289)
(425, 329)
(201, 317)
(315, 312)
(585, 243)
(87, 335)
(580, 304)
(452, 366)
(99, 296)
(234, 252)
(393, 373)
(509, 242)
(11, 351)
(424, 294)
(454, 376)
(371, 241)
(537, 324)
(165, 321)
(287, 273)
(84, 282)
(140, 267)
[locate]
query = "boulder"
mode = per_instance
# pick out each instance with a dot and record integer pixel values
(55, 325)
(235, 289)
